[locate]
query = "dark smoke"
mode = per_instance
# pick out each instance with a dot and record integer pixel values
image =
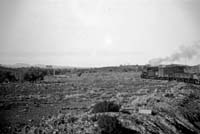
(185, 52)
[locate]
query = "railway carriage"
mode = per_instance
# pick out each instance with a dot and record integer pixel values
(171, 72)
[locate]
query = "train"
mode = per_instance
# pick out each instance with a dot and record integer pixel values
(172, 72)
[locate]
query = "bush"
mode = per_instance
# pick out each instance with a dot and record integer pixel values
(34, 74)
(109, 125)
(105, 106)
(6, 76)
(72, 119)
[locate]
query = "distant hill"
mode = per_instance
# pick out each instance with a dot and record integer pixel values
(16, 65)
(24, 65)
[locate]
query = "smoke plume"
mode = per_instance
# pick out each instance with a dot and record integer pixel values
(184, 52)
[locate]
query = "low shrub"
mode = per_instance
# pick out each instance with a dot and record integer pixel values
(106, 106)
(109, 125)
(72, 119)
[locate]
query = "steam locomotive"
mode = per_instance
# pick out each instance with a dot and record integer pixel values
(172, 72)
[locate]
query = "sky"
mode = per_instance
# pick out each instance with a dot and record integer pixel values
(94, 33)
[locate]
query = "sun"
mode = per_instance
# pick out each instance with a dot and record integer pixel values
(108, 41)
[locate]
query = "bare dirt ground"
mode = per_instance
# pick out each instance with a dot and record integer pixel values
(63, 105)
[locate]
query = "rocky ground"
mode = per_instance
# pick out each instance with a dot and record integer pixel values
(64, 106)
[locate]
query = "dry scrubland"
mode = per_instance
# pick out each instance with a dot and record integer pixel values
(65, 105)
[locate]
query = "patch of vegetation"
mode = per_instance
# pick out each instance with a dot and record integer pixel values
(111, 125)
(106, 106)
(22, 74)
(6, 76)
(72, 119)
(34, 74)
(191, 112)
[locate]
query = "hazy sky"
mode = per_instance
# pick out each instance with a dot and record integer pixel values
(96, 32)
